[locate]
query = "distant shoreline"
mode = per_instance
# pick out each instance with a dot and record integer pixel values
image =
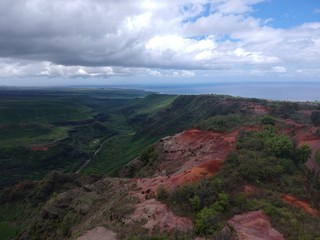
(285, 91)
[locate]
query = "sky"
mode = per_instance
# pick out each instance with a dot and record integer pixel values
(57, 42)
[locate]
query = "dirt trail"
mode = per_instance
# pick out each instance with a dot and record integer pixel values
(90, 159)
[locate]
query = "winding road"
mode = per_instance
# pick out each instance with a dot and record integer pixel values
(90, 159)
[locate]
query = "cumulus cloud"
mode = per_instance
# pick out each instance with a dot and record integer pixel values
(279, 69)
(94, 38)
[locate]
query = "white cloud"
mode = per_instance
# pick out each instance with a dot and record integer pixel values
(236, 6)
(94, 38)
(316, 10)
(154, 73)
(279, 69)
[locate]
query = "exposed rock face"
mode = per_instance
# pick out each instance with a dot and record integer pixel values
(99, 233)
(254, 226)
(193, 148)
(158, 216)
(184, 158)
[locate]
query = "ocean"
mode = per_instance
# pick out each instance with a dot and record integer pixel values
(290, 91)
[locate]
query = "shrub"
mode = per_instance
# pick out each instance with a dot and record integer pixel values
(318, 157)
(162, 193)
(315, 118)
(209, 219)
(280, 146)
(195, 202)
(148, 155)
(268, 120)
(301, 154)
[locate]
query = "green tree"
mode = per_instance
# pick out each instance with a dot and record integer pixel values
(301, 154)
(209, 219)
(268, 120)
(280, 146)
(315, 118)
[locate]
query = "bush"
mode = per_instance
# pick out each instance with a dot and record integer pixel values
(318, 157)
(315, 118)
(209, 219)
(301, 154)
(148, 156)
(162, 193)
(195, 202)
(268, 120)
(280, 146)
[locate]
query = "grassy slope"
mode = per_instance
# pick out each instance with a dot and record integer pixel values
(61, 118)
(126, 145)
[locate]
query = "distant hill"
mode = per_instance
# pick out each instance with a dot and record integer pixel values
(130, 164)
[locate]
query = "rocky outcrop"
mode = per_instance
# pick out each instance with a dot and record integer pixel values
(193, 148)
(159, 217)
(99, 233)
(253, 226)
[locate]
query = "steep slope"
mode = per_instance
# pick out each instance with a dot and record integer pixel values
(184, 186)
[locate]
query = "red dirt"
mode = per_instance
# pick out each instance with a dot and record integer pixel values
(158, 216)
(147, 187)
(302, 134)
(292, 128)
(251, 128)
(185, 158)
(253, 106)
(35, 149)
(252, 190)
(307, 112)
(193, 148)
(300, 204)
(98, 233)
(259, 108)
(254, 226)
(310, 138)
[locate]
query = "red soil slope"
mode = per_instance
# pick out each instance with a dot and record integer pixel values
(247, 105)
(193, 148)
(187, 157)
(310, 138)
(35, 149)
(300, 204)
(159, 217)
(254, 226)
(99, 233)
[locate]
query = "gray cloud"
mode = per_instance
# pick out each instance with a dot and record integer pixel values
(86, 37)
